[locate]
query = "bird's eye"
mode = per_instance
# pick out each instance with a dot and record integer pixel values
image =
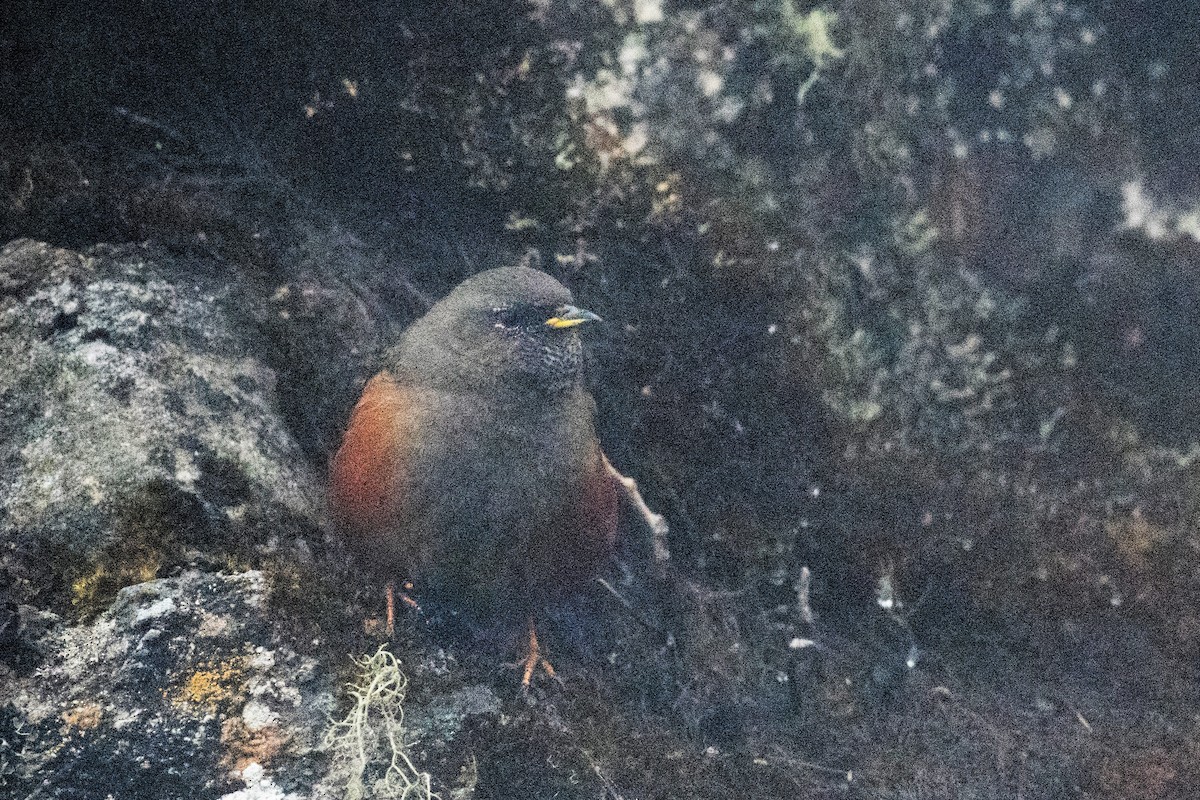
(515, 317)
(502, 317)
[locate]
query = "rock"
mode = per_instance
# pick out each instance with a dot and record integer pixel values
(139, 422)
(173, 622)
(145, 454)
(183, 688)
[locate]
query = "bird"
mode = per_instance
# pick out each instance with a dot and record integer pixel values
(471, 465)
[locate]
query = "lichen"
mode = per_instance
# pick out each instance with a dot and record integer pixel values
(83, 717)
(213, 685)
(370, 749)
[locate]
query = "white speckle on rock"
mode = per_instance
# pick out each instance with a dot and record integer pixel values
(186, 470)
(263, 658)
(259, 786)
(132, 320)
(156, 609)
(95, 493)
(709, 83)
(124, 717)
(648, 11)
(97, 353)
(257, 716)
(149, 638)
(213, 625)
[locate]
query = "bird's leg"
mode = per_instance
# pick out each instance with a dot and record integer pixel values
(391, 594)
(534, 658)
(406, 598)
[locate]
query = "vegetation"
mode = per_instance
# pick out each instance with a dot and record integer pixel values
(368, 746)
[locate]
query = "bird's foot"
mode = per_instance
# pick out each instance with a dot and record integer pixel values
(405, 598)
(389, 623)
(533, 660)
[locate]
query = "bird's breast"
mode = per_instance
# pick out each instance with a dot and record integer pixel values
(488, 485)
(505, 469)
(498, 506)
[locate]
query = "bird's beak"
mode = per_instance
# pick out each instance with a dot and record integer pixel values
(570, 316)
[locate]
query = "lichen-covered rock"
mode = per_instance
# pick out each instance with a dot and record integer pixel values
(182, 689)
(146, 464)
(139, 421)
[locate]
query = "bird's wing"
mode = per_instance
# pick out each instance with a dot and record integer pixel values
(570, 551)
(600, 501)
(367, 473)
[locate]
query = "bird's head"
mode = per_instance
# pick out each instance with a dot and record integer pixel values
(513, 328)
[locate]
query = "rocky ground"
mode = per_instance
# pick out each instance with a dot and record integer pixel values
(901, 338)
(178, 623)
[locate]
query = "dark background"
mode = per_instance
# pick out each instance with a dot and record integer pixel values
(908, 331)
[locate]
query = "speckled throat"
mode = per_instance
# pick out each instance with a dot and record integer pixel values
(555, 361)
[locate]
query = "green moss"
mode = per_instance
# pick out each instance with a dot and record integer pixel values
(148, 531)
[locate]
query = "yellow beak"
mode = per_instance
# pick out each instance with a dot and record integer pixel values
(570, 316)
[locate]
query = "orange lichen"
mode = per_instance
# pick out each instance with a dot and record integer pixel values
(83, 717)
(244, 746)
(92, 590)
(213, 684)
